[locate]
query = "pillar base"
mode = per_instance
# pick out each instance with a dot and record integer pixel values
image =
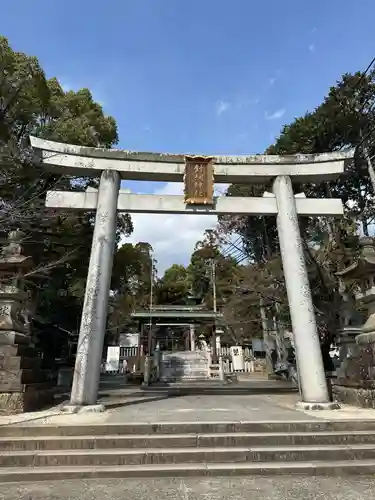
(303, 405)
(98, 408)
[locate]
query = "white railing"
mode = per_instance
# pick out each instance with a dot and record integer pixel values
(249, 366)
(129, 352)
(225, 351)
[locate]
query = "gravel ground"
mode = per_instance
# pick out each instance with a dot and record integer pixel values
(220, 488)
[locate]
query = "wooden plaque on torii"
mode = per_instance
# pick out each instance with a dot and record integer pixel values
(199, 180)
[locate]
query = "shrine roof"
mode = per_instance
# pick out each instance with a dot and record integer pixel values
(194, 316)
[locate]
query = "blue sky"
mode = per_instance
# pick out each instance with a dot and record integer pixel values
(214, 76)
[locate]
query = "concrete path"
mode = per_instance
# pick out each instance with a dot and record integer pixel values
(258, 488)
(209, 408)
(131, 404)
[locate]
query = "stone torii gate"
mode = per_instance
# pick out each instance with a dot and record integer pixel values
(199, 174)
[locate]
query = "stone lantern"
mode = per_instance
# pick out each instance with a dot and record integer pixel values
(14, 300)
(355, 383)
(23, 385)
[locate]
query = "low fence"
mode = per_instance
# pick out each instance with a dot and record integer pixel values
(257, 365)
(132, 352)
(225, 351)
(136, 364)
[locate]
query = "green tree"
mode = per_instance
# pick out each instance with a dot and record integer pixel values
(30, 104)
(345, 115)
(174, 287)
(207, 263)
(131, 284)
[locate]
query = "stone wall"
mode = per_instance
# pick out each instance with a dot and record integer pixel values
(355, 383)
(23, 385)
(356, 396)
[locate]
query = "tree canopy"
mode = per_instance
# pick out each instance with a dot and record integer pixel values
(31, 104)
(343, 120)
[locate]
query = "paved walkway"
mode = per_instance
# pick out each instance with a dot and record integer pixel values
(136, 406)
(258, 488)
(126, 403)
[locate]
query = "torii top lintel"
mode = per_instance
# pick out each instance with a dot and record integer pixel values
(85, 161)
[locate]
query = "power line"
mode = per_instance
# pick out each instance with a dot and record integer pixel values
(364, 74)
(364, 138)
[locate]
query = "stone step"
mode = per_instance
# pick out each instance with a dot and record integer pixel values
(157, 441)
(148, 456)
(329, 468)
(186, 428)
(217, 387)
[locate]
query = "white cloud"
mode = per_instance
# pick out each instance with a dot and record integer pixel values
(172, 237)
(276, 115)
(271, 81)
(312, 48)
(243, 101)
(222, 106)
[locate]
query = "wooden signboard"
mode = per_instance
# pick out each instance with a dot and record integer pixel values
(199, 180)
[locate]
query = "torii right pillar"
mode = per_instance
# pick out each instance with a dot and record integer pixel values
(311, 374)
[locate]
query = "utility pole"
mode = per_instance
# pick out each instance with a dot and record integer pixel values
(149, 341)
(371, 170)
(213, 338)
(214, 284)
(266, 336)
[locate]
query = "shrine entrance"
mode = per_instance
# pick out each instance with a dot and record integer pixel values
(199, 173)
(169, 334)
(183, 320)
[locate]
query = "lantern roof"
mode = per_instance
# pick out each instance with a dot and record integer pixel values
(364, 264)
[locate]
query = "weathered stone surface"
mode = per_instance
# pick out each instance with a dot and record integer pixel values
(28, 399)
(42, 452)
(17, 350)
(23, 385)
(359, 368)
(198, 488)
(78, 160)
(185, 365)
(355, 383)
(18, 362)
(12, 337)
(356, 396)
(23, 376)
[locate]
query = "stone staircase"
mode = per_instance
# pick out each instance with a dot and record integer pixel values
(317, 447)
(218, 387)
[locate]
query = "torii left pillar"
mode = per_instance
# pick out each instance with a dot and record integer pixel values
(95, 307)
